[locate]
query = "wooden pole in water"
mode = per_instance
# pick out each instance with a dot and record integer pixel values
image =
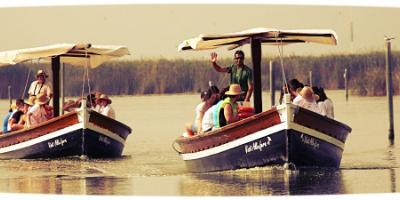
(389, 87)
(256, 59)
(9, 96)
(346, 87)
(272, 82)
(310, 78)
(55, 66)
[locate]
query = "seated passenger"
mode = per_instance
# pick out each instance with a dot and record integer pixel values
(105, 106)
(324, 103)
(40, 112)
(192, 128)
(72, 105)
(227, 110)
(293, 88)
(16, 116)
(6, 118)
(306, 100)
(21, 122)
(96, 102)
(208, 119)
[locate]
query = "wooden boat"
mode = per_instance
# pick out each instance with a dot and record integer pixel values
(80, 133)
(285, 135)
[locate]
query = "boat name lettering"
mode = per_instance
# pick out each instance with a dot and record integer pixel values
(57, 142)
(104, 140)
(309, 140)
(257, 145)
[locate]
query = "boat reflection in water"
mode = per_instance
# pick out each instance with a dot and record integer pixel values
(270, 181)
(67, 185)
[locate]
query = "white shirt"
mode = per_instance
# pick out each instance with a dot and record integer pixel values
(38, 115)
(199, 109)
(328, 104)
(37, 88)
(108, 111)
(208, 122)
(313, 106)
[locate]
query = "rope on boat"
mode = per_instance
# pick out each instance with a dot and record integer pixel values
(87, 75)
(9, 95)
(280, 50)
(26, 84)
(173, 147)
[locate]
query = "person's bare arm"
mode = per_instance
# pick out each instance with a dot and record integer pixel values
(215, 65)
(228, 113)
(249, 92)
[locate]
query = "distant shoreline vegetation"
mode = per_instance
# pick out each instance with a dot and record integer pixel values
(168, 76)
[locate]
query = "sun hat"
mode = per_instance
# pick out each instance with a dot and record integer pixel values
(42, 99)
(41, 72)
(30, 101)
(234, 89)
(105, 97)
(307, 93)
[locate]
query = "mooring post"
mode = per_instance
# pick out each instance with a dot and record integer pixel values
(272, 82)
(9, 95)
(310, 78)
(389, 87)
(346, 86)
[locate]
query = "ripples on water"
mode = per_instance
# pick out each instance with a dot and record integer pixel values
(150, 166)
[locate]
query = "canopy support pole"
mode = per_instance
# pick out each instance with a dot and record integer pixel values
(55, 66)
(256, 59)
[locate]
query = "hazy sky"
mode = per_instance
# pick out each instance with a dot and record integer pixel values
(154, 31)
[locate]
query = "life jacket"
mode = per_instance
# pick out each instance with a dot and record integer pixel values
(219, 118)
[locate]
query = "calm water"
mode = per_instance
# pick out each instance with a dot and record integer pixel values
(150, 166)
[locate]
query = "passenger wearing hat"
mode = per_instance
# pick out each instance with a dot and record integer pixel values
(227, 111)
(307, 100)
(40, 86)
(40, 111)
(105, 106)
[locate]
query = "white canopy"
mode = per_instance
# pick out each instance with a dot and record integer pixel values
(70, 53)
(266, 35)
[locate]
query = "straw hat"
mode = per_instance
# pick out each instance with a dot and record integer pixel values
(41, 72)
(105, 97)
(42, 99)
(307, 93)
(234, 89)
(30, 101)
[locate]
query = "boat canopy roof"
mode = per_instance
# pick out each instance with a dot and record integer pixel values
(265, 35)
(74, 54)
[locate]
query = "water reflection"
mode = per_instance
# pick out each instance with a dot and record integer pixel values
(67, 185)
(392, 159)
(269, 181)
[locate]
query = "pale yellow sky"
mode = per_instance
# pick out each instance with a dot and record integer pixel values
(154, 31)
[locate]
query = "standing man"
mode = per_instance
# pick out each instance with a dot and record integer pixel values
(239, 74)
(40, 86)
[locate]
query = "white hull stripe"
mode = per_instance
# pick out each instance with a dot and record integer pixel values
(42, 138)
(234, 143)
(106, 133)
(59, 133)
(259, 135)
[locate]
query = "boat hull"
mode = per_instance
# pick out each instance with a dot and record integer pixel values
(293, 141)
(67, 136)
